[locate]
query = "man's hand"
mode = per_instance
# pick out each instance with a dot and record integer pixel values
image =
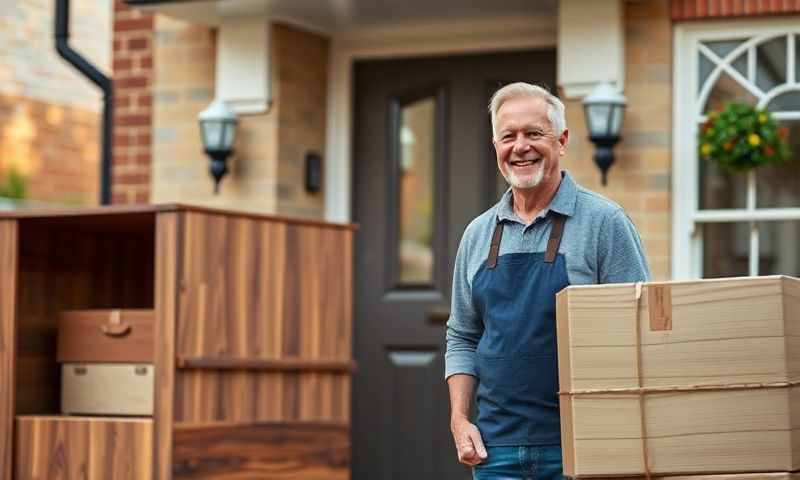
(468, 442)
(466, 435)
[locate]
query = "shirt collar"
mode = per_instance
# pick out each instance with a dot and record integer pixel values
(563, 201)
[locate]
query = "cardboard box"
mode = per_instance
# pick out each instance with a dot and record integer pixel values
(709, 384)
(106, 336)
(107, 389)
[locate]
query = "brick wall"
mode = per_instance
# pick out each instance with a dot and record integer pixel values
(300, 86)
(183, 86)
(133, 73)
(50, 113)
(640, 178)
(266, 170)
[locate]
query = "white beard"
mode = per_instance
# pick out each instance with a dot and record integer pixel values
(516, 182)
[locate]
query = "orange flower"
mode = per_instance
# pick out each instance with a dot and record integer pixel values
(783, 132)
(727, 146)
(768, 151)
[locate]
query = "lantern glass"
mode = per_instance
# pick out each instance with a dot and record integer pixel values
(604, 119)
(212, 134)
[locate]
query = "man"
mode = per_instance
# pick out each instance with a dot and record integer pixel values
(544, 234)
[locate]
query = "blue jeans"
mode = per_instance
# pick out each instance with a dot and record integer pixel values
(520, 463)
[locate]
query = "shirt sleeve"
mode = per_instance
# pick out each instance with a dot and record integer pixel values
(621, 256)
(464, 327)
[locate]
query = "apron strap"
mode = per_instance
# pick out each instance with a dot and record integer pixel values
(491, 262)
(555, 238)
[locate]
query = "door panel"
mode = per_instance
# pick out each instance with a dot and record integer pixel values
(423, 168)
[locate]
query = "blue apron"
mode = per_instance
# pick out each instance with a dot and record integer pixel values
(517, 358)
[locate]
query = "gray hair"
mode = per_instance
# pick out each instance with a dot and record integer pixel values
(555, 109)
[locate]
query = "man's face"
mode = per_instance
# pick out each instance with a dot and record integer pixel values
(528, 151)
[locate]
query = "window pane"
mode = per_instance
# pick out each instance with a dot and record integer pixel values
(777, 248)
(771, 64)
(705, 67)
(787, 102)
(779, 185)
(719, 188)
(726, 248)
(796, 57)
(723, 47)
(727, 90)
(416, 192)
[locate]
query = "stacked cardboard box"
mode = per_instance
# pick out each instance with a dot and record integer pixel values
(680, 378)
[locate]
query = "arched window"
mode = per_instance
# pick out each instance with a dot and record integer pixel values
(727, 224)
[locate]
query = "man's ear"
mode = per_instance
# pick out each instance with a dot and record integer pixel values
(563, 139)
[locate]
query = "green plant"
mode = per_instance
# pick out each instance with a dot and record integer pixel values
(741, 137)
(14, 185)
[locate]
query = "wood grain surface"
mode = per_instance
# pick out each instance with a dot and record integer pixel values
(261, 290)
(83, 448)
(8, 297)
(282, 451)
(169, 227)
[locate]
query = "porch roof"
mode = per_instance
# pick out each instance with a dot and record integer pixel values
(338, 15)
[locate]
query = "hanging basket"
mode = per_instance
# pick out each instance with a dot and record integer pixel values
(742, 137)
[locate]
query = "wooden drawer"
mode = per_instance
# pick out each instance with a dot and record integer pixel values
(105, 336)
(107, 389)
(55, 447)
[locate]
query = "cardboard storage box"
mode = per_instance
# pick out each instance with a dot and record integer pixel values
(105, 336)
(107, 389)
(727, 476)
(695, 376)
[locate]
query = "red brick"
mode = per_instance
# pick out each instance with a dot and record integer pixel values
(122, 64)
(119, 197)
(144, 100)
(131, 24)
(117, 45)
(131, 82)
(131, 179)
(121, 140)
(146, 63)
(144, 139)
(138, 43)
(132, 120)
(143, 159)
(142, 196)
(122, 102)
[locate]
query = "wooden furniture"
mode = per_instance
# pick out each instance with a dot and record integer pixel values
(680, 377)
(252, 351)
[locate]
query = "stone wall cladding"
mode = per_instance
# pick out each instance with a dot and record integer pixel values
(639, 180)
(133, 99)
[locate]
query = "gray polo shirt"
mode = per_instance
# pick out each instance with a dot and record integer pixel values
(599, 242)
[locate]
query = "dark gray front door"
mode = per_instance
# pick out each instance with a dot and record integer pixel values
(423, 168)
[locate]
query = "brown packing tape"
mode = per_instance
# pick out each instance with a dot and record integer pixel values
(659, 302)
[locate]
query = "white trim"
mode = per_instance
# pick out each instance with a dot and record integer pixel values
(744, 215)
(687, 248)
(425, 40)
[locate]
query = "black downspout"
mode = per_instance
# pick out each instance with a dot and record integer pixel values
(105, 84)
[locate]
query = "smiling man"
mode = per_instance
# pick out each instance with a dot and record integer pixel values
(544, 234)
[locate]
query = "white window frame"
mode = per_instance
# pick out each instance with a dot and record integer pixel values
(687, 247)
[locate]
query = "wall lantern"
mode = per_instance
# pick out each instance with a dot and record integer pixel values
(604, 108)
(218, 130)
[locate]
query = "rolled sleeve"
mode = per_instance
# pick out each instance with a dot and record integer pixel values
(621, 255)
(464, 327)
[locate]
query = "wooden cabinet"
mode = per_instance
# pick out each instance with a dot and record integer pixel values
(252, 336)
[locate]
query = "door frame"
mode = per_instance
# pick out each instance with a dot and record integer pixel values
(500, 34)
